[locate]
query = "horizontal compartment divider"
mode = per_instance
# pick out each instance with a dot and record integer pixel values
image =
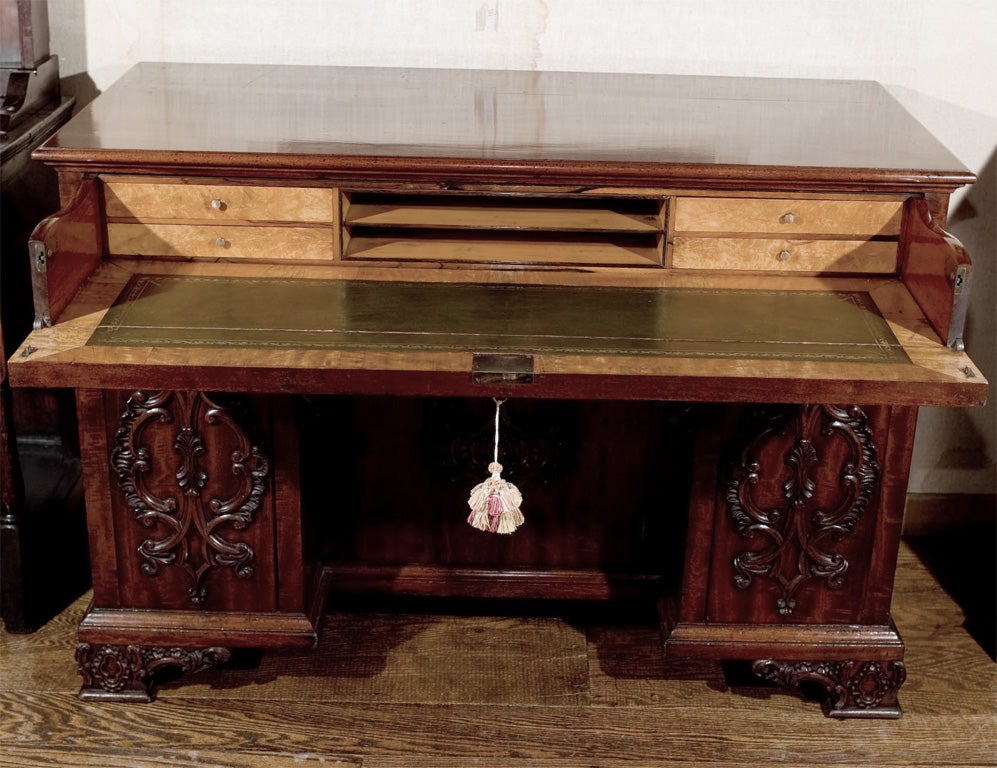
(492, 228)
(505, 246)
(497, 213)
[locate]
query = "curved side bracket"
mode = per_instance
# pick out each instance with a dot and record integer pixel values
(937, 273)
(64, 249)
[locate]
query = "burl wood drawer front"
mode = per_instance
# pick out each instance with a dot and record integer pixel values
(786, 216)
(214, 202)
(732, 253)
(211, 242)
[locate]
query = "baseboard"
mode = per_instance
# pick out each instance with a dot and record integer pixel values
(937, 513)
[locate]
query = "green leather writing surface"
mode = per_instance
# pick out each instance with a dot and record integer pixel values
(183, 311)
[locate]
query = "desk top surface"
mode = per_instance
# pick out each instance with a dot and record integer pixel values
(506, 123)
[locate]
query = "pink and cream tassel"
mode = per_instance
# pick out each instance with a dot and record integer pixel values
(495, 502)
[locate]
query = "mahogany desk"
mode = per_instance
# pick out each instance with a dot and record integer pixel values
(286, 297)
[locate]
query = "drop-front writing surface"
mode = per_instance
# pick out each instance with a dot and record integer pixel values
(713, 307)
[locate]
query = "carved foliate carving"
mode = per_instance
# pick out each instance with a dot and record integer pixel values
(854, 688)
(127, 671)
(797, 533)
(191, 523)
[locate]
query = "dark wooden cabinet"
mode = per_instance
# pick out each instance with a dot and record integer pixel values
(712, 308)
(39, 480)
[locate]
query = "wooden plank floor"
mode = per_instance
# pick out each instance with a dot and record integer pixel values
(552, 689)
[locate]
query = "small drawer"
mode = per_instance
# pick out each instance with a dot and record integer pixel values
(209, 242)
(764, 255)
(786, 216)
(213, 202)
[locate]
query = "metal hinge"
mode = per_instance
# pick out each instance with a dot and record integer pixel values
(40, 256)
(959, 279)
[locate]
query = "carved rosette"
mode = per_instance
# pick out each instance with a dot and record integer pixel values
(538, 446)
(797, 533)
(536, 451)
(190, 523)
(126, 672)
(854, 688)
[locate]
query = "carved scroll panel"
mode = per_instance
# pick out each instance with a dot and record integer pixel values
(194, 480)
(794, 497)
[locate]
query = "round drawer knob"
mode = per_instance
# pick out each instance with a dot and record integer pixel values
(218, 205)
(787, 218)
(784, 255)
(221, 242)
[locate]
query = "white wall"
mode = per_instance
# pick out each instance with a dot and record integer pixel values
(939, 57)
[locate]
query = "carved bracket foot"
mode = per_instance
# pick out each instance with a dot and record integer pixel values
(854, 688)
(126, 672)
